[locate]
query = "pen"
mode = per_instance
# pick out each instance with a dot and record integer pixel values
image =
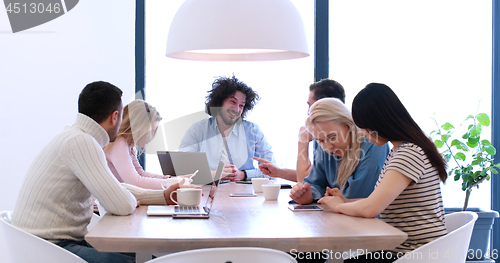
(193, 174)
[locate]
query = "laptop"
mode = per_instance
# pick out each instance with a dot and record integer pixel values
(181, 163)
(190, 211)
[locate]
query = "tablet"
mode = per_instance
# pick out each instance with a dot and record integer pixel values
(190, 216)
(283, 186)
(243, 182)
(242, 195)
(300, 208)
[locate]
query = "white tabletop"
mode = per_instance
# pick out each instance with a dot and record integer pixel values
(243, 221)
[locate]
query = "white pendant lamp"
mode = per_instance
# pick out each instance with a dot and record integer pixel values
(237, 30)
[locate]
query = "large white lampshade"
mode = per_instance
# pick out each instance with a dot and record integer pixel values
(237, 30)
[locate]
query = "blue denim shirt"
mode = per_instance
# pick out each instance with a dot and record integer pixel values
(362, 181)
(245, 141)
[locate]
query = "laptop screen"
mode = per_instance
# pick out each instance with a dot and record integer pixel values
(182, 163)
(215, 184)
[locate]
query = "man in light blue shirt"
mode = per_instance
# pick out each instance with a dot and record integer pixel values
(226, 133)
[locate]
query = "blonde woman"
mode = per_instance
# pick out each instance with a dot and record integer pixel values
(138, 128)
(348, 160)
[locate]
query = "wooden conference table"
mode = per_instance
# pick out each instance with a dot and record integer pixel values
(243, 222)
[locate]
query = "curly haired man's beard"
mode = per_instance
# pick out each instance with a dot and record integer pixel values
(229, 117)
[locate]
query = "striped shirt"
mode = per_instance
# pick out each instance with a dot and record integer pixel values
(418, 210)
(57, 195)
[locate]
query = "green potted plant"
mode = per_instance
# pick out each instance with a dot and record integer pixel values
(470, 160)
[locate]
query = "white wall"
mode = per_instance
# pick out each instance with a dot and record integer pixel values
(43, 70)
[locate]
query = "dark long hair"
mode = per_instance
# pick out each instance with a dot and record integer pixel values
(378, 109)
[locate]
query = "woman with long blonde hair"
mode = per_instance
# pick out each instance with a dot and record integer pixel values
(356, 162)
(138, 128)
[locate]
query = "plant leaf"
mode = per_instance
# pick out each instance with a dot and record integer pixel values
(460, 156)
(447, 126)
(469, 117)
(473, 141)
(485, 142)
(438, 143)
(490, 149)
(460, 145)
(475, 130)
(483, 119)
(465, 177)
(445, 137)
(478, 128)
(447, 157)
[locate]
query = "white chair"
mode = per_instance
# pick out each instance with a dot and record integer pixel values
(22, 246)
(451, 248)
(93, 221)
(227, 254)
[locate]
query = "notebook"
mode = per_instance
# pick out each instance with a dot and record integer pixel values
(166, 210)
(181, 163)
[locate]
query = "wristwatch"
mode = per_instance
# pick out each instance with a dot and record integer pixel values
(245, 172)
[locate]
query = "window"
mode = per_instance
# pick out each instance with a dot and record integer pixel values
(436, 56)
(178, 88)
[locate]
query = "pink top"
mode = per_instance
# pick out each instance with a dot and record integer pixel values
(123, 163)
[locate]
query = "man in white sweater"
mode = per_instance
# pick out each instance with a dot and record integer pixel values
(58, 193)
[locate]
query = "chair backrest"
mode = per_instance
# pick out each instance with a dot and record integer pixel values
(451, 248)
(227, 254)
(25, 247)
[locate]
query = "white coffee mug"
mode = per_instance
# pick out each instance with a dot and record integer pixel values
(271, 191)
(257, 184)
(187, 196)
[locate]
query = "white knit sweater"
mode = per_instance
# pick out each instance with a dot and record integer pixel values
(57, 195)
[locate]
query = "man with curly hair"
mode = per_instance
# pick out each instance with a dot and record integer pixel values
(226, 132)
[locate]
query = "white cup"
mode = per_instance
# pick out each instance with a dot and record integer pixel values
(271, 191)
(174, 180)
(257, 184)
(187, 196)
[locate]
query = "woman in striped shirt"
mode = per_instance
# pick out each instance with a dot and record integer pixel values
(407, 194)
